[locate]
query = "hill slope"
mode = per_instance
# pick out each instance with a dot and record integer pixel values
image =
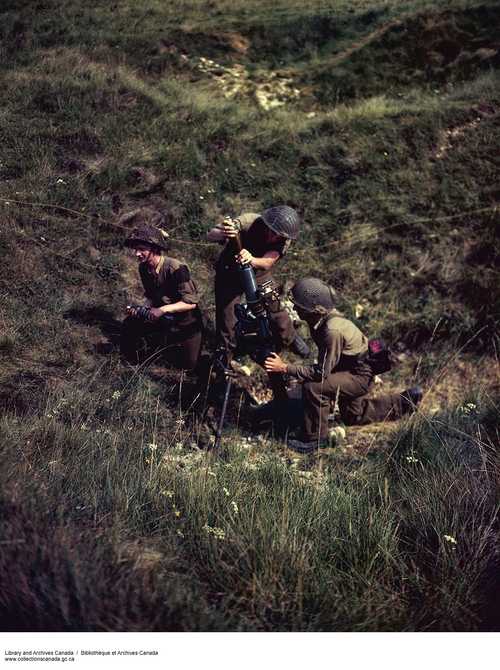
(378, 122)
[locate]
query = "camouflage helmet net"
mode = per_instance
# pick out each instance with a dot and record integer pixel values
(146, 229)
(313, 295)
(282, 220)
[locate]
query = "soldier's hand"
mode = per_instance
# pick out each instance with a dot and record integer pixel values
(244, 257)
(154, 313)
(274, 364)
(229, 228)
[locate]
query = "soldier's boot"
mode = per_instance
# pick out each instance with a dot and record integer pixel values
(262, 413)
(299, 347)
(411, 398)
(275, 413)
(309, 447)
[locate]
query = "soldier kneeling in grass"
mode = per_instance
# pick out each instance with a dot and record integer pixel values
(345, 370)
(170, 314)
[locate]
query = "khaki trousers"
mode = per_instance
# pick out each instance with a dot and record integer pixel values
(356, 408)
(182, 346)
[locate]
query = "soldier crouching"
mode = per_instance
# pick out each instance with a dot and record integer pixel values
(343, 370)
(170, 316)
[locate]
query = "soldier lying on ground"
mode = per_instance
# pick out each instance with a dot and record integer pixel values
(170, 315)
(265, 239)
(343, 370)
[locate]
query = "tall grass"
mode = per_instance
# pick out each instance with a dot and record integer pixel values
(111, 495)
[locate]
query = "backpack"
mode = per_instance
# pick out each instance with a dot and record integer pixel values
(379, 356)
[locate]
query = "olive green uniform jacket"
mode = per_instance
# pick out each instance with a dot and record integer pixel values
(342, 372)
(168, 283)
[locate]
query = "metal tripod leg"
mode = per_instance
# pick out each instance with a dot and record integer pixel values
(220, 427)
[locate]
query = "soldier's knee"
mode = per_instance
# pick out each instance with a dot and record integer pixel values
(315, 389)
(311, 390)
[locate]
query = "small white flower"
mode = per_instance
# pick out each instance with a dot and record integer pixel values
(218, 533)
(450, 539)
(152, 446)
(338, 432)
(116, 395)
(60, 181)
(234, 505)
(226, 492)
(412, 459)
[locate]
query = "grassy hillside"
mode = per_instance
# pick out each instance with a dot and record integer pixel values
(379, 121)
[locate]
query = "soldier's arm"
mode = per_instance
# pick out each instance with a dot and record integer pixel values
(228, 228)
(266, 262)
(173, 308)
(225, 230)
(217, 234)
(328, 356)
(186, 288)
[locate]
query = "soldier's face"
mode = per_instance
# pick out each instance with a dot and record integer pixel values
(271, 236)
(143, 253)
(309, 317)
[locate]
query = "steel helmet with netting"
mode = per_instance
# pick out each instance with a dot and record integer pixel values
(313, 295)
(282, 220)
(146, 229)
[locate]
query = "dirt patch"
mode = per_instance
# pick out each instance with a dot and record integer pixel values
(234, 41)
(452, 136)
(83, 142)
(434, 48)
(450, 41)
(269, 89)
(445, 392)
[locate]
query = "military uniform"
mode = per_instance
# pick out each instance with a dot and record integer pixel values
(228, 290)
(168, 283)
(342, 372)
